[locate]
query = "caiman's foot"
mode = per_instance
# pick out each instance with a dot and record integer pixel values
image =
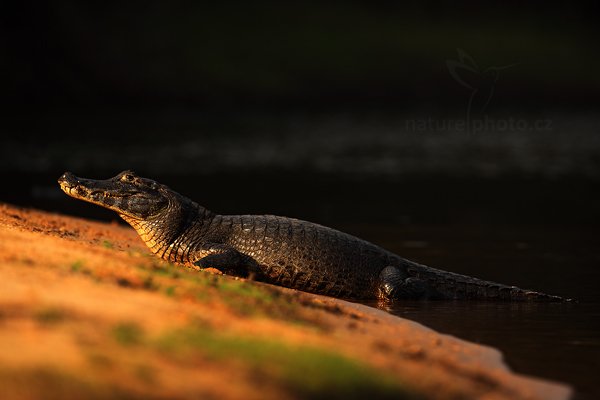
(227, 260)
(395, 284)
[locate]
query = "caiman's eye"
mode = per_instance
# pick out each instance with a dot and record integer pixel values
(128, 177)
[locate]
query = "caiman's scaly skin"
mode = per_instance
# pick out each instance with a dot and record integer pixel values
(278, 250)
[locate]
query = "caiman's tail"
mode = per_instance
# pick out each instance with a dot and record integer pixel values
(455, 286)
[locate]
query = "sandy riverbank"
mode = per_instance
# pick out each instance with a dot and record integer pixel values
(87, 312)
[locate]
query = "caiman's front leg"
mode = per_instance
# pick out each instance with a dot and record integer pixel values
(226, 259)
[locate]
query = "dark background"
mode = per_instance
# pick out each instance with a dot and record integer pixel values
(370, 117)
(463, 135)
(336, 111)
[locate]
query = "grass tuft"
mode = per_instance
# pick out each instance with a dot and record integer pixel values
(145, 373)
(128, 333)
(170, 291)
(49, 316)
(76, 266)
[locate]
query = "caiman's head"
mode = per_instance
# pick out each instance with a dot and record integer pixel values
(131, 196)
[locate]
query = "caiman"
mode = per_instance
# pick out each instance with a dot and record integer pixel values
(278, 250)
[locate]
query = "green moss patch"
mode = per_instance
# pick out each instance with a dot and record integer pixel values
(49, 315)
(244, 298)
(308, 372)
(128, 333)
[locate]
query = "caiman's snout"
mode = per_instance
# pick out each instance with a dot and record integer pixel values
(126, 193)
(67, 181)
(78, 187)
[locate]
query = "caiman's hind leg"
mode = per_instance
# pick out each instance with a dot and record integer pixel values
(395, 284)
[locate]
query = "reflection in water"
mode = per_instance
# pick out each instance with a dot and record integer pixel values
(556, 341)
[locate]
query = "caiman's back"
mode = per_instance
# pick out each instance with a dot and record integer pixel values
(311, 257)
(304, 255)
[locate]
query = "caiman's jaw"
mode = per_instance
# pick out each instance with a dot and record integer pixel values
(126, 193)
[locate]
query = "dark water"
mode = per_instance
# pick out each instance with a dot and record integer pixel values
(558, 341)
(554, 341)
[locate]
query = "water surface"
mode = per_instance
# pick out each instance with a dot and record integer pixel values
(558, 341)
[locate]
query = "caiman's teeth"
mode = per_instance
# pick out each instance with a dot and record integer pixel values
(105, 194)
